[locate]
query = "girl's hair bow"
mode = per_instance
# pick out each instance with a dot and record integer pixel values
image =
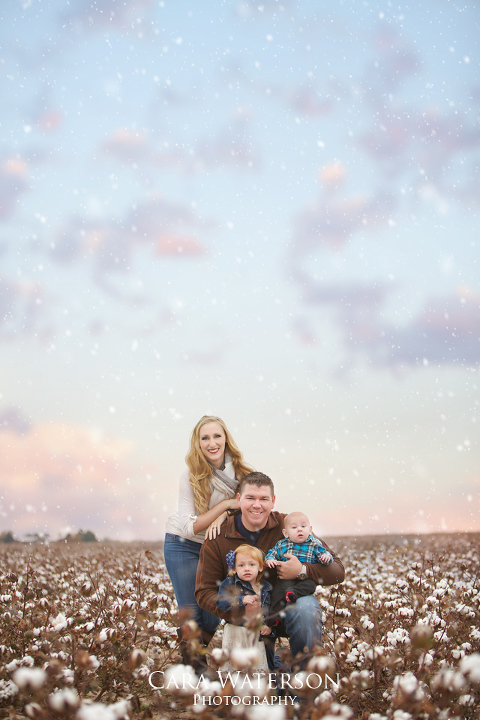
(231, 559)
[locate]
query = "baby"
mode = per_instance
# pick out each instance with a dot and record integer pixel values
(298, 541)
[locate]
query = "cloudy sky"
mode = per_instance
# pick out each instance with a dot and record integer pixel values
(267, 211)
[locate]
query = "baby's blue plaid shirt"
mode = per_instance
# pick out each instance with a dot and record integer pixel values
(308, 551)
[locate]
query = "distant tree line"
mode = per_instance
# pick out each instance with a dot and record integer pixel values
(80, 536)
(7, 537)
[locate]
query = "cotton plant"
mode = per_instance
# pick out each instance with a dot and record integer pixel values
(86, 630)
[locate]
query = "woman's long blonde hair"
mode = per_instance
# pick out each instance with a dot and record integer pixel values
(201, 471)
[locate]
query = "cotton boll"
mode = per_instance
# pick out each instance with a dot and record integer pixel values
(29, 678)
(62, 701)
(470, 667)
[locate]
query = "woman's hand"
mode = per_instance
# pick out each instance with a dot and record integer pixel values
(214, 528)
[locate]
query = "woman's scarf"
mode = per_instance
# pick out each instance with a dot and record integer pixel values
(225, 480)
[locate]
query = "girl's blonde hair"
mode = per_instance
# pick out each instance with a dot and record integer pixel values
(201, 471)
(253, 552)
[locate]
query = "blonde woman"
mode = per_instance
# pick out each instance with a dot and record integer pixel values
(207, 490)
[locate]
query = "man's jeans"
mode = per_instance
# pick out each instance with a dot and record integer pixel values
(181, 559)
(303, 627)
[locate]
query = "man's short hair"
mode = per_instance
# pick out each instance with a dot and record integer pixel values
(255, 478)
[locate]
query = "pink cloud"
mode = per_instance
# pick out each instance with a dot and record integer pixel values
(179, 245)
(230, 147)
(308, 101)
(404, 138)
(58, 476)
(332, 218)
(49, 120)
(110, 247)
(445, 332)
(137, 149)
(126, 145)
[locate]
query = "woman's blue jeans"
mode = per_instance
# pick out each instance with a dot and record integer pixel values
(181, 559)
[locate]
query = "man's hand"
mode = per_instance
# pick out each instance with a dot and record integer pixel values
(289, 570)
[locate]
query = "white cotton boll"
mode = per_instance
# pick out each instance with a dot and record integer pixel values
(95, 711)
(244, 658)
(470, 667)
(26, 661)
(340, 712)
(325, 697)
(60, 622)
(466, 700)
(401, 715)
(267, 712)
(181, 680)
(63, 700)
(360, 679)
(7, 689)
(367, 624)
(321, 664)
(450, 680)
(93, 663)
(121, 710)
(34, 711)
(374, 652)
(425, 660)
(68, 675)
(408, 686)
(29, 678)
(219, 656)
(475, 633)
(209, 688)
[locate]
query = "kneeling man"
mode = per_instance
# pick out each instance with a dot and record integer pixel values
(258, 524)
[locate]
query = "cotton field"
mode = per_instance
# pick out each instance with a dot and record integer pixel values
(88, 632)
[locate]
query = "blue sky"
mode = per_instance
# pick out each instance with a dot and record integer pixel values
(265, 211)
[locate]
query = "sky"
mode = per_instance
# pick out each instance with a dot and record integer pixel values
(266, 211)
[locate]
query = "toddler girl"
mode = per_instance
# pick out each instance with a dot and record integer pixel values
(244, 586)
